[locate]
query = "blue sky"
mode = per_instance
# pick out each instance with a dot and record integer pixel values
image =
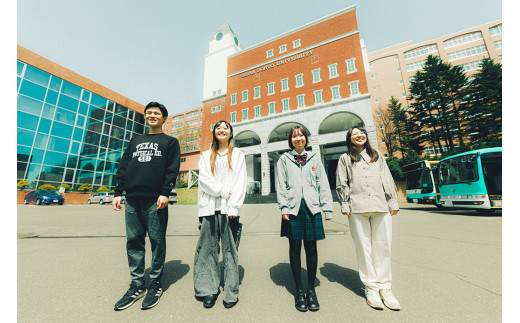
(154, 50)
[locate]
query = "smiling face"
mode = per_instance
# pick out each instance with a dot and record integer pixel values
(154, 117)
(358, 138)
(298, 140)
(222, 132)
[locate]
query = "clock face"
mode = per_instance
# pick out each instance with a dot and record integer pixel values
(219, 36)
(236, 41)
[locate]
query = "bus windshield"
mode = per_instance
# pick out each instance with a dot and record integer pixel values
(419, 179)
(461, 169)
(492, 170)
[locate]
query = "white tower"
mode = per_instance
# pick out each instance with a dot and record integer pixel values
(222, 44)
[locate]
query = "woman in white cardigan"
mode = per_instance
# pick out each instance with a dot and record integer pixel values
(222, 188)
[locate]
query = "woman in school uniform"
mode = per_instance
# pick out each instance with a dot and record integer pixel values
(368, 195)
(222, 188)
(302, 191)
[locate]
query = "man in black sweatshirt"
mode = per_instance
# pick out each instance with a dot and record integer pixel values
(147, 172)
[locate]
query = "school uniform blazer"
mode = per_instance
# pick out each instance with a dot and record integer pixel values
(309, 182)
(210, 188)
(365, 187)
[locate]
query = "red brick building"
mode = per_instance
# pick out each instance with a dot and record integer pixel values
(313, 76)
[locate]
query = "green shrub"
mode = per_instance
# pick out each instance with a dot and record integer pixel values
(47, 187)
(22, 184)
(85, 188)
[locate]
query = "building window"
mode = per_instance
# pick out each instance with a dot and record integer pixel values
(377, 101)
(333, 70)
(378, 113)
(415, 66)
(296, 43)
(420, 51)
(271, 108)
(244, 114)
(257, 111)
(183, 160)
(215, 109)
(285, 103)
(464, 39)
(233, 99)
(354, 88)
(301, 100)
(471, 66)
(233, 117)
(257, 92)
(495, 30)
(381, 126)
(374, 88)
(398, 70)
(269, 53)
(318, 98)
(177, 126)
(285, 84)
(472, 51)
(351, 65)
(178, 118)
(400, 81)
(404, 95)
(192, 122)
(244, 96)
(270, 88)
(316, 76)
(498, 44)
(335, 92)
(192, 114)
(500, 58)
(299, 80)
(283, 48)
(372, 76)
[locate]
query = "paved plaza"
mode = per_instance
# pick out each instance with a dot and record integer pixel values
(72, 267)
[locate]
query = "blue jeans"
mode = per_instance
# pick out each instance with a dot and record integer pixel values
(142, 216)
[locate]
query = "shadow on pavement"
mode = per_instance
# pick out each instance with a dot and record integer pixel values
(240, 274)
(281, 275)
(173, 271)
(345, 276)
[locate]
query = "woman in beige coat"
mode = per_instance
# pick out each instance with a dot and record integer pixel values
(368, 196)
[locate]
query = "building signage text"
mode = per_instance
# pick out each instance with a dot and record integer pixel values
(280, 62)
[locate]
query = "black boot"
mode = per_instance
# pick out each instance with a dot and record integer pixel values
(299, 301)
(312, 301)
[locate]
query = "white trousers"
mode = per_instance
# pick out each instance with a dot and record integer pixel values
(372, 234)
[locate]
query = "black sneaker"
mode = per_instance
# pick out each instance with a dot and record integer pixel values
(133, 294)
(152, 297)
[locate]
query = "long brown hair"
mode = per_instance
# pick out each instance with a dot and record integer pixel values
(215, 146)
(353, 152)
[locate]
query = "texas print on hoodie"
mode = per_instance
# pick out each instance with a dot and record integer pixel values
(149, 166)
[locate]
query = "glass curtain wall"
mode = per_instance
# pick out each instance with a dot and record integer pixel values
(66, 134)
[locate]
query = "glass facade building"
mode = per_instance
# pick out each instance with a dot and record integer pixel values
(66, 134)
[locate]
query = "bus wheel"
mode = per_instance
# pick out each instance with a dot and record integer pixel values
(439, 206)
(486, 211)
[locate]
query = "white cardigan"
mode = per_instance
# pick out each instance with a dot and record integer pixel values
(210, 188)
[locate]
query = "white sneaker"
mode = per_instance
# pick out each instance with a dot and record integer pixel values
(389, 299)
(373, 299)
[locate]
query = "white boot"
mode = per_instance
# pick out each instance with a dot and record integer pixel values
(373, 299)
(389, 299)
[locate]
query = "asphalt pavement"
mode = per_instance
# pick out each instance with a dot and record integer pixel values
(72, 267)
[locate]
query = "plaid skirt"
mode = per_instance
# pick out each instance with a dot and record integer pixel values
(305, 226)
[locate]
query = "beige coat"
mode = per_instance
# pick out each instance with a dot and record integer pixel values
(365, 187)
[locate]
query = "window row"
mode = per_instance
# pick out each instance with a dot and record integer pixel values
(415, 66)
(495, 30)
(471, 66)
(420, 51)
(284, 83)
(467, 52)
(283, 48)
(464, 39)
(300, 102)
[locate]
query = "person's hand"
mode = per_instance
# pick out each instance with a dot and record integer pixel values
(346, 213)
(393, 212)
(231, 217)
(116, 203)
(328, 219)
(285, 217)
(229, 195)
(162, 202)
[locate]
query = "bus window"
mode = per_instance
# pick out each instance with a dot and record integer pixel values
(492, 170)
(459, 170)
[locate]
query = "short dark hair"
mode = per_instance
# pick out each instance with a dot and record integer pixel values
(157, 105)
(304, 133)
